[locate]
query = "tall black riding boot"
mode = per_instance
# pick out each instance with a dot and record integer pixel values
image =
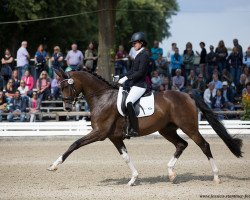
(133, 121)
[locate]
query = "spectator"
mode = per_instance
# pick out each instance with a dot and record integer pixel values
(22, 59)
(40, 60)
(156, 81)
(16, 80)
(239, 47)
(221, 52)
(209, 93)
(199, 85)
(211, 62)
(3, 105)
(74, 58)
(55, 91)
(228, 95)
(90, 57)
(17, 108)
(226, 76)
(241, 85)
(162, 66)
(246, 58)
(188, 61)
(178, 80)
(23, 89)
(43, 86)
(29, 81)
(156, 51)
(161, 88)
(166, 83)
(57, 58)
(2, 84)
(34, 106)
(171, 52)
(7, 63)
(246, 71)
(176, 61)
(10, 90)
(188, 47)
(120, 61)
(235, 62)
(203, 54)
(191, 78)
(218, 103)
(217, 82)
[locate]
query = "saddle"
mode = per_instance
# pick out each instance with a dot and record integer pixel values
(143, 107)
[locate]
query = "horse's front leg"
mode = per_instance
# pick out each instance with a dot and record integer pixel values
(93, 136)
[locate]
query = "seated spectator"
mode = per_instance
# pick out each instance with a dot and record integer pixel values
(228, 95)
(34, 106)
(175, 62)
(161, 88)
(235, 62)
(166, 83)
(188, 61)
(209, 93)
(162, 66)
(29, 81)
(241, 85)
(43, 86)
(57, 58)
(156, 81)
(120, 61)
(191, 78)
(7, 63)
(55, 91)
(178, 80)
(218, 103)
(217, 82)
(199, 85)
(10, 90)
(17, 108)
(226, 76)
(16, 81)
(246, 58)
(23, 89)
(3, 105)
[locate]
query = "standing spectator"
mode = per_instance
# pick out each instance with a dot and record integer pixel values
(191, 78)
(90, 57)
(10, 90)
(199, 85)
(218, 103)
(178, 81)
(221, 52)
(217, 82)
(209, 93)
(156, 50)
(57, 58)
(241, 85)
(34, 106)
(188, 47)
(228, 95)
(22, 59)
(55, 91)
(120, 61)
(239, 47)
(7, 63)
(41, 58)
(171, 52)
(29, 81)
(43, 86)
(162, 66)
(235, 62)
(74, 58)
(211, 61)
(203, 55)
(156, 81)
(246, 58)
(17, 108)
(15, 78)
(3, 105)
(176, 61)
(188, 61)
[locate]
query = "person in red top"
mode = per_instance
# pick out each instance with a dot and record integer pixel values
(34, 106)
(29, 81)
(121, 61)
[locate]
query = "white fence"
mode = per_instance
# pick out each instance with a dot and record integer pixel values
(82, 128)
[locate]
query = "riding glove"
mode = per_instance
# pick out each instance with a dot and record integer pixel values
(122, 80)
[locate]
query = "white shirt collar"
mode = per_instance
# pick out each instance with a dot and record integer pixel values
(139, 51)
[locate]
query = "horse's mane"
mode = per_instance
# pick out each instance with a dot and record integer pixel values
(112, 85)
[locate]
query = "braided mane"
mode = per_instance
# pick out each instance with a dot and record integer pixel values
(114, 86)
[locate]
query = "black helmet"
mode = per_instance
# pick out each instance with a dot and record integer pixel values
(139, 36)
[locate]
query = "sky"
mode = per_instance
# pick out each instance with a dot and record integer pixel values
(209, 21)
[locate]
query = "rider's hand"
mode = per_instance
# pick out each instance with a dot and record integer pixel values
(122, 80)
(116, 78)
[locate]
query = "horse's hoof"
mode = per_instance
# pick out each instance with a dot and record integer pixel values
(52, 168)
(217, 181)
(172, 176)
(131, 183)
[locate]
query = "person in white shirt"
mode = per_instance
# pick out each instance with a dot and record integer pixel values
(22, 59)
(74, 58)
(209, 93)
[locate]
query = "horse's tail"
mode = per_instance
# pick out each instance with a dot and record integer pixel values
(234, 144)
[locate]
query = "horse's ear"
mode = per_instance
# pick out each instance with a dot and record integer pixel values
(60, 73)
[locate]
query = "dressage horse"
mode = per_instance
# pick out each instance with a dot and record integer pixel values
(173, 110)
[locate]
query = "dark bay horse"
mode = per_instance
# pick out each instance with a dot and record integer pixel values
(173, 110)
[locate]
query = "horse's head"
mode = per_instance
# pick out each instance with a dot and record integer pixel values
(68, 89)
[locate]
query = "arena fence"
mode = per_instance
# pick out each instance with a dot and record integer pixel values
(79, 128)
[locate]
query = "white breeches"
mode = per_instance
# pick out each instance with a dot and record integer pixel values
(134, 94)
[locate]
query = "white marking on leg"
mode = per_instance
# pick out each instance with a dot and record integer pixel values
(171, 165)
(215, 170)
(131, 166)
(55, 164)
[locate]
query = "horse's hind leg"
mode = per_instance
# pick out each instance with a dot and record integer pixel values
(171, 135)
(118, 142)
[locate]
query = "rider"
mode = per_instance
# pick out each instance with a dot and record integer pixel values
(135, 79)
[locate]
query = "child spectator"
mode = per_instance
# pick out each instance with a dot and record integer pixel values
(166, 83)
(178, 80)
(34, 106)
(55, 91)
(43, 86)
(156, 81)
